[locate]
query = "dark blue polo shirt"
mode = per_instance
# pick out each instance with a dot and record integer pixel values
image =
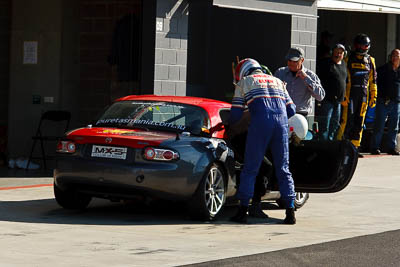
(389, 83)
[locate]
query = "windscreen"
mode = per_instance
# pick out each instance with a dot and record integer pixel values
(154, 115)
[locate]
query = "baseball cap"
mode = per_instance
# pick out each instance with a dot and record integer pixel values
(295, 54)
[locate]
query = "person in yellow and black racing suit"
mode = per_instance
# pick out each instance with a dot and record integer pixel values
(361, 91)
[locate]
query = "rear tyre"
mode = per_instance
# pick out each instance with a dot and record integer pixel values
(71, 199)
(299, 201)
(210, 195)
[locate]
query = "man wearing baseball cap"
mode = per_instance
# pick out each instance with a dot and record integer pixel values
(301, 83)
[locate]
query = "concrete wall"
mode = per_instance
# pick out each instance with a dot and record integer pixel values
(39, 21)
(5, 23)
(171, 47)
(74, 41)
(304, 35)
(291, 7)
(381, 6)
(5, 19)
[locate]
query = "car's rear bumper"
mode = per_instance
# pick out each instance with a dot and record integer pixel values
(116, 180)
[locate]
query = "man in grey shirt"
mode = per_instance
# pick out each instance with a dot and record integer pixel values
(301, 83)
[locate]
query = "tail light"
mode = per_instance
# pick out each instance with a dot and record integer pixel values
(151, 153)
(66, 147)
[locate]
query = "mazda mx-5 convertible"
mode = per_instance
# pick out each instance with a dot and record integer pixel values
(178, 148)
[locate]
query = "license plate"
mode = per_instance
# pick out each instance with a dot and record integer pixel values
(109, 152)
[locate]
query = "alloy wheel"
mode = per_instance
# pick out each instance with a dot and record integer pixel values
(301, 198)
(214, 190)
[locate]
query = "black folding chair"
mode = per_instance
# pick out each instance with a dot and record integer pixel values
(53, 119)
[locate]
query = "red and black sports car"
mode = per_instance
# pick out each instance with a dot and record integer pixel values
(178, 148)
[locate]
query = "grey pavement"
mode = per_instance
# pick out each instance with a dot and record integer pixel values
(35, 231)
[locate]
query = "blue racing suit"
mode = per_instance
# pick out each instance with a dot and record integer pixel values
(270, 106)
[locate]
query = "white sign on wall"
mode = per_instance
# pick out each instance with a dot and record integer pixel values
(30, 52)
(159, 26)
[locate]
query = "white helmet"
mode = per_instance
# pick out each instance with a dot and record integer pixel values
(298, 125)
(245, 67)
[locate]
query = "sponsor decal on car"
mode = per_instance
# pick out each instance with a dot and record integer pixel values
(152, 134)
(115, 131)
(109, 152)
(131, 122)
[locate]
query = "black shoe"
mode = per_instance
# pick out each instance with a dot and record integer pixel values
(360, 155)
(290, 217)
(375, 152)
(256, 211)
(241, 215)
(394, 152)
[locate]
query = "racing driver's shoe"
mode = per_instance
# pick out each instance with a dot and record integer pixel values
(290, 217)
(256, 211)
(241, 215)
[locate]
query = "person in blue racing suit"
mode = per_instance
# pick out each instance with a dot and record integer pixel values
(270, 106)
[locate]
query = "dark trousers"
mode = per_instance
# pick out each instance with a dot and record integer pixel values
(391, 111)
(328, 119)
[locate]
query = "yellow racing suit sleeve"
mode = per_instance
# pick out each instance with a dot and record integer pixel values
(373, 90)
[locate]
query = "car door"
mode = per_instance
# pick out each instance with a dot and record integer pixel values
(322, 166)
(316, 166)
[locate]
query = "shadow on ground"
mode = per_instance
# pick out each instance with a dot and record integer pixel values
(103, 212)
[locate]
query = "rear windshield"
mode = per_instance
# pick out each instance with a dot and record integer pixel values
(154, 115)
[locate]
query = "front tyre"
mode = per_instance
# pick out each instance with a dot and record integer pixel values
(71, 199)
(210, 195)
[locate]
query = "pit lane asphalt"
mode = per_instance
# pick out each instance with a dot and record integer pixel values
(36, 232)
(381, 249)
